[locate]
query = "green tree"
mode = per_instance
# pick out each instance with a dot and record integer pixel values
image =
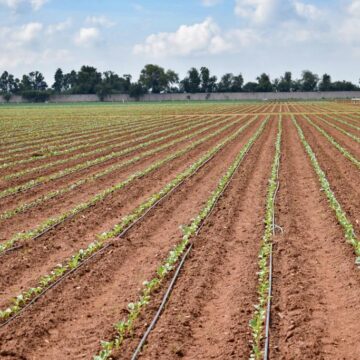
(155, 79)
(58, 85)
(208, 83)
(308, 81)
(285, 83)
(250, 86)
(264, 83)
(325, 83)
(191, 83)
(88, 78)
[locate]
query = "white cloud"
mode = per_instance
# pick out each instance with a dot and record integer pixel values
(58, 27)
(87, 36)
(209, 3)
(354, 8)
(307, 11)
(27, 33)
(101, 21)
(257, 11)
(188, 39)
(23, 5)
(196, 39)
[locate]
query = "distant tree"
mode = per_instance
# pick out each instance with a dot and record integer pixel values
(136, 90)
(208, 83)
(58, 85)
(237, 83)
(155, 79)
(70, 80)
(344, 86)
(34, 81)
(250, 87)
(264, 83)
(87, 80)
(8, 83)
(325, 83)
(225, 83)
(285, 83)
(191, 83)
(308, 81)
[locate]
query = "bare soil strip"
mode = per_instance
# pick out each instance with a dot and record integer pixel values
(100, 291)
(208, 313)
(316, 284)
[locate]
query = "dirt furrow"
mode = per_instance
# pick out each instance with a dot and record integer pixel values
(341, 173)
(315, 313)
(208, 313)
(342, 139)
(44, 253)
(99, 292)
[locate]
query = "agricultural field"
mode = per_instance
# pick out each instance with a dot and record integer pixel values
(184, 230)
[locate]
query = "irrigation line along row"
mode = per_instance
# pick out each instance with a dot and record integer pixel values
(180, 265)
(101, 250)
(268, 311)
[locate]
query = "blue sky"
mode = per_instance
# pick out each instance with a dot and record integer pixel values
(247, 36)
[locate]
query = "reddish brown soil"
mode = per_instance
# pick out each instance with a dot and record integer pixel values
(341, 125)
(316, 290)
(117, 146)
(57, 245)
(342, 174)
(32, 193)
(208, 314)
(316, 284)
(108, 284)
(344, 140)
(59, 204)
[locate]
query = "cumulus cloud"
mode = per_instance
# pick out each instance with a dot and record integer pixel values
(101, 21)
(197, 39)
(257, 11)
(58, 27)
(188, 39)
(21, 35)
(307, 11)
(209, 3)
(23, 5)
(87, 36)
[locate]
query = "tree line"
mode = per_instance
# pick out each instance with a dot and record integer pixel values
(155, 79)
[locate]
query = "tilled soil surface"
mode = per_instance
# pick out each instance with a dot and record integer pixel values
(316, 285)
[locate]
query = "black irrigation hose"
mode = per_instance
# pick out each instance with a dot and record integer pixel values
(179, 267)
(162, 305)
(268, 309)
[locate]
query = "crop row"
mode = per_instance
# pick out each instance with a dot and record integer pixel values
(40, 200)
(352, 136)
(135, 130)
(342, 121)
(341, 216)
(80, 141)
(87, 164)
(345, 152)
(102, 239)
(257, 323)
(124, 327)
